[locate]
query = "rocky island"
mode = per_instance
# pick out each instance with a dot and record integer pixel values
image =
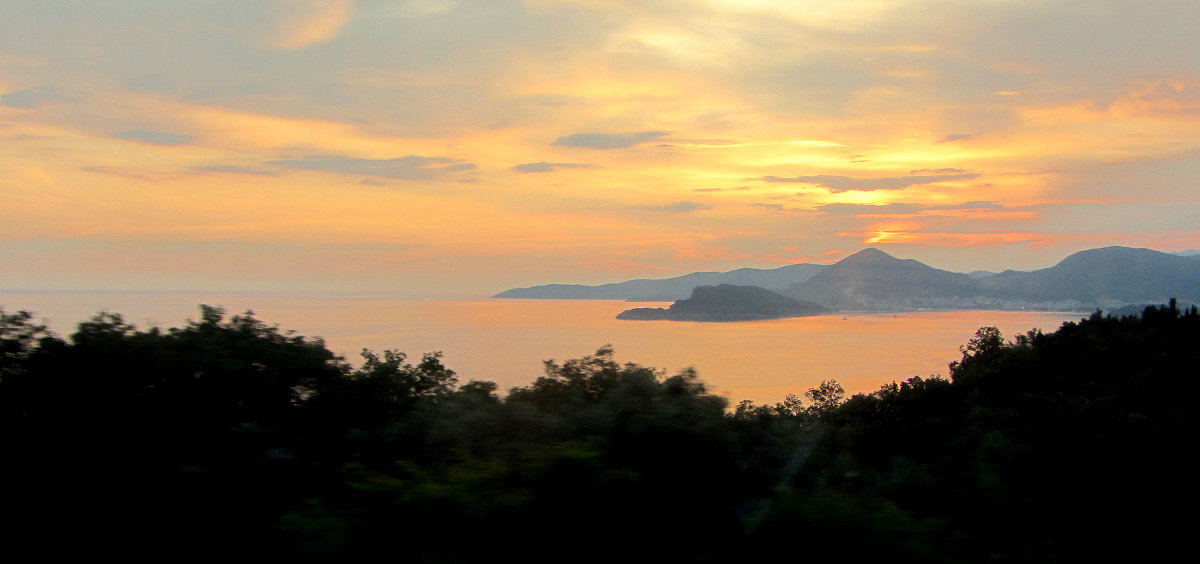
(727, 302)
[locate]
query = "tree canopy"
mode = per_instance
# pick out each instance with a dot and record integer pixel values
(230, 433)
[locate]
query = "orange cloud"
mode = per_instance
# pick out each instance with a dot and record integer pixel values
(973, 214)
(1167, 240)
(308, 23)
(1174, 98)
(896, 237)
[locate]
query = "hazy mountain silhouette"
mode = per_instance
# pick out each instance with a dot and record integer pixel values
(873, 279)
(668, 289)
(1110, 275)
(726, 302)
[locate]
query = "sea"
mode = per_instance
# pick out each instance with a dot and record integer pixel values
(507, 341)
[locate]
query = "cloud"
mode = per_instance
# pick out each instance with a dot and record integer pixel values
(956, 137)
(29, 99)
(938, 171)
(846, 183)
(155, 137)
(973, 210)
(608, 140)
(684, 206)
(706, 143)
(544, 166)
(858, 209)
(129, 172)
(236, 170)
(308, 22)
(1176, 98)
(978, 204)
(24, 99)
(720, 189)
(412, 167)
(949, 239)
(774, 207)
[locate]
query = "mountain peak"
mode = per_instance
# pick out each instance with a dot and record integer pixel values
(868, 255)
(1113, 253)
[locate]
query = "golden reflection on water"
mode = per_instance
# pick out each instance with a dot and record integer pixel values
(505, 341)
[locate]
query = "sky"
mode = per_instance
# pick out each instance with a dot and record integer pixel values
(478, 145)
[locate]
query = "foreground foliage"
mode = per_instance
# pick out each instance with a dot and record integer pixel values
(229, 433)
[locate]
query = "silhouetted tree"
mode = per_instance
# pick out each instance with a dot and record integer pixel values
(18, 337)
(825, 398)
(229, 433)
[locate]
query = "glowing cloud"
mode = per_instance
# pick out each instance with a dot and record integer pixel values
(308, 22)
(604, 137)
(886, 236)
(956, 137)
(846, 183)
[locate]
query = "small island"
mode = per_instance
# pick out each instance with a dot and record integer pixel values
(727, 302)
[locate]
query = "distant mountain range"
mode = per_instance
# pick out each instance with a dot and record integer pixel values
(665, 290)
(872, 280)
(1103, 278)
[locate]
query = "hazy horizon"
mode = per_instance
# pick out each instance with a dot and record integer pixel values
(403, 293)
(505, 341)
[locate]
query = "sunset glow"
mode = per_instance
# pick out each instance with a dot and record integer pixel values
(440, 145)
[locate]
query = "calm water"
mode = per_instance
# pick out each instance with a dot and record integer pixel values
(505, 341)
